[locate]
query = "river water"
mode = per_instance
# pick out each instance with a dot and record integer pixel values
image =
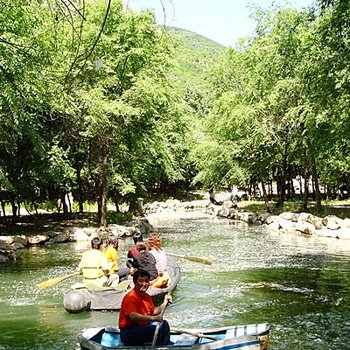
(298, 284)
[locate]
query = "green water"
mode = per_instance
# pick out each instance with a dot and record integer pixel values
(300, 285)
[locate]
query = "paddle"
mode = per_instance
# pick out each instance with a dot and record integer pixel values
(198, 335)
(54, 281)
(193, 258)
(155, 337)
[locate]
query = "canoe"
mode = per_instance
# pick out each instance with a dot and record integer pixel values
(245, 337)
(84, 299)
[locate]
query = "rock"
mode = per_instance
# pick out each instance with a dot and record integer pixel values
(38, 239)
(119, 230)
(4, 246)
(318, 223)
(273, 226)
(247, 217)
(234, 215)
(60, 237)
(323, 232)
(3, 258)
(80, 235)
(346, 223)
(287, 225)
(7, 239)
(332, 222)
(21, 240)
(270, 219)
(224, 212)
(343, 233)
(17, 246)
(306, 217)
(289, 216)
(305, 227)
(263, 217)
(228, 204)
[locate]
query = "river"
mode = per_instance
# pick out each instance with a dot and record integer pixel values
(298, 284)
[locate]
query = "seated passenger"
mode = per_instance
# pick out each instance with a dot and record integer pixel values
(155, 248)
(93, 265)
(111, 254)
(133, 252)
(145, 261)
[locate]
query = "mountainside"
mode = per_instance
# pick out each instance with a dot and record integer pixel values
(194, 56)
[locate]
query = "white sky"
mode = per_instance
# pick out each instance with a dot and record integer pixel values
(224, 21)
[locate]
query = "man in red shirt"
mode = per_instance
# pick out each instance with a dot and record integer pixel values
(138, 316)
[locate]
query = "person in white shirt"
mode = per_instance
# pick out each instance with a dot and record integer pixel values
(154, 244)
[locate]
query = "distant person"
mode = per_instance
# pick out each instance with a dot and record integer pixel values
(154, 244)
(138, 316)
(212, 197)
(93, 265)
(234, 196)
(111, 253)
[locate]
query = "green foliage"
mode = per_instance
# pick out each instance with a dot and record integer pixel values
(279, 102)
(119, 218)
(96, 99)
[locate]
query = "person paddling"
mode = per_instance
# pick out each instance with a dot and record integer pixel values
(138, 315)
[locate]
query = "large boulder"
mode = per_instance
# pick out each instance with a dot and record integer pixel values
(289, 216)
(38, 239)
(332, 222)
(305, 227)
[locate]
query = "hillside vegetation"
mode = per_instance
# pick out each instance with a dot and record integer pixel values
(195, 55)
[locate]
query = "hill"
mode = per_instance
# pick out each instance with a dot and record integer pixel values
(194, 56)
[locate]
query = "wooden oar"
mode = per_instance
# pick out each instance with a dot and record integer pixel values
(193, 258)
(198, 335)
(156, 331)
(54, 281)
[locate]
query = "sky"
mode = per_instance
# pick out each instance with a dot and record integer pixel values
(224, 21)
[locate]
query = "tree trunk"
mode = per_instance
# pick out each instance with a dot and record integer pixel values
(116, 203)
(306, 186)
(317, 188)
(103, 179)
(80, 190)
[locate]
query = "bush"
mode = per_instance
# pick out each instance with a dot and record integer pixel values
(118, 218)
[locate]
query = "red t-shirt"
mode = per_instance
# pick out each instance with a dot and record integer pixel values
(134, 302)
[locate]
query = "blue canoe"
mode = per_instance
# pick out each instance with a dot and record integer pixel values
(245, 337)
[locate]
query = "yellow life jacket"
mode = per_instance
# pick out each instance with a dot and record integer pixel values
(112, 259)
(91, 265)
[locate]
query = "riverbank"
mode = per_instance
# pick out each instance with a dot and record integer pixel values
(289, 222)
(45, 229)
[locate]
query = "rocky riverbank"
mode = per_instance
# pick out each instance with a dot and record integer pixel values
(305, 223)
(74, 231)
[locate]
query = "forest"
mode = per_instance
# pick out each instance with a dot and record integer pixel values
(99, 101)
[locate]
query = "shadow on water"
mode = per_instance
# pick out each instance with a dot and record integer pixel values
(300, 285)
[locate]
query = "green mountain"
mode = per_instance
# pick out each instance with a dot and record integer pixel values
(194, 56)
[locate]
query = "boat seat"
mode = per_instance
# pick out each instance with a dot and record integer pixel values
(184, 340)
